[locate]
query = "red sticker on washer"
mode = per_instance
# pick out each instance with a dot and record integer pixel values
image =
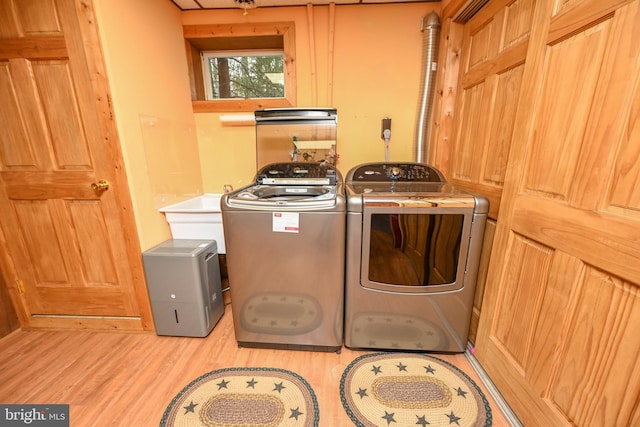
(286, 222)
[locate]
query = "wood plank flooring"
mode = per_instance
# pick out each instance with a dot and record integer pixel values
(113, 379)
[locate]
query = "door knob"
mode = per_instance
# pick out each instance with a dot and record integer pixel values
(101, 185)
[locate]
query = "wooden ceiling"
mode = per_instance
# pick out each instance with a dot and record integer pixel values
(233, 4)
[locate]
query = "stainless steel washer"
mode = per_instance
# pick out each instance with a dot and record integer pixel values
(413, 250)
(285, 239)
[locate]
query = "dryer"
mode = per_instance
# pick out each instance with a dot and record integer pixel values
(413, 250)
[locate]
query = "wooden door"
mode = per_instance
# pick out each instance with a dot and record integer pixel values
(558, 332)
(493, 51)
(486, 54)
(70, 253)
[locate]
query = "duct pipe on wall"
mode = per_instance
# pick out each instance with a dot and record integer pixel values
(312, 52)
(332, 31)
(431, 42)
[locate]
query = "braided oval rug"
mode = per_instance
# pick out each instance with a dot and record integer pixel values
(265, 397)
(407, 389)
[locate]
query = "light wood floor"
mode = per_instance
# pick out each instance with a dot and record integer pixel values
(113, 379)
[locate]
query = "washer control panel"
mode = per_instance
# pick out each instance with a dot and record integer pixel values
(297, 173)
(398, 172)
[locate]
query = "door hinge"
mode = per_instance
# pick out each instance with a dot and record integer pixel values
(20, 286)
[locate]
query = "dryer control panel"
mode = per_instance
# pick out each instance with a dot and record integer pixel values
(399, 172)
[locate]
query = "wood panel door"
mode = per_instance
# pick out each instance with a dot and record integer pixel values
(481, 80)
(494, 47)
(558, 332)
(70, 252)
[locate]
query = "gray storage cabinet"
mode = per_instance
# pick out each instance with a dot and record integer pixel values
(183, 278)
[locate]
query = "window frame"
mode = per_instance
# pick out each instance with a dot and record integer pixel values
(195, 33)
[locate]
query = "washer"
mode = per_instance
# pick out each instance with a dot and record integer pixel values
(413, 251)
(285, 238)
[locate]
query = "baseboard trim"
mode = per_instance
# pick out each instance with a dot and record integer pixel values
(511, 417)
(46, 322)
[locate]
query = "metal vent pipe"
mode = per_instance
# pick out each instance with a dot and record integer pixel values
(431, 42)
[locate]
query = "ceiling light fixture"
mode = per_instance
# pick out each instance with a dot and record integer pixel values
(245, 4)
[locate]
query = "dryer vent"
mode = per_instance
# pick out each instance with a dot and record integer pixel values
(431, 42)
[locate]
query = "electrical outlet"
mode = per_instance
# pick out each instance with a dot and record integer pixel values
(386, 126)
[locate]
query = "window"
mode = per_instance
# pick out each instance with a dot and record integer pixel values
(243, 75)
(241, 67)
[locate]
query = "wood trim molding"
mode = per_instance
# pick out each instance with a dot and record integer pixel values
(284, 29)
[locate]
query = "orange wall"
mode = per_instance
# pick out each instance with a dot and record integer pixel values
(377, 61)
(144, 52)
(172, 154)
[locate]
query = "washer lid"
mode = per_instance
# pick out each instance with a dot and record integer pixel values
(291, 196)
(278, 116)
(284, 192)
